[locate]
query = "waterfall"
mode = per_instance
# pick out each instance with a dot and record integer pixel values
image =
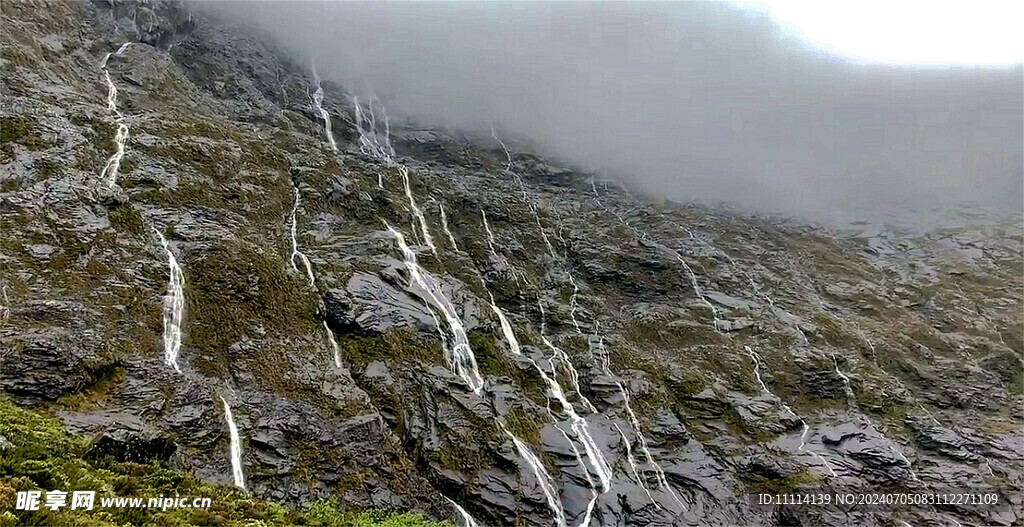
(296, 253)
(235, 450)
(578, 424)
(554, 503)
(490, 236)
(318, 99)
(659, 473)
(370, 141)
(604, 471)
(697, 290)
(109, 173)
(444, 225)
(416, 210)
(174, 307)
(462, 359)
(466, 518)
(526, 198)
(308, 267)
(334, 345)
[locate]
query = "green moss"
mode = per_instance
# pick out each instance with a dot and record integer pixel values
(46, 457)
(394, 345)
(1015, 386)
(522, 426)
(126, 218)
(457, 457)
(236, 290)
(761, 483)
(20, 129)
(47, 168)
(326, 513)
(832, 333)
(492, 362)
(686, 386)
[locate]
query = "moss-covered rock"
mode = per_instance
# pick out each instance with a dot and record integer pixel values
(45, 457)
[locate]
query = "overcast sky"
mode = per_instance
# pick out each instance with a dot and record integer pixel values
(698, 101)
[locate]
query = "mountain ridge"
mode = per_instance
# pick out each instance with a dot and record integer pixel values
(750, 356)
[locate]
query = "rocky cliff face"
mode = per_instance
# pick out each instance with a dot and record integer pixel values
(550, 348)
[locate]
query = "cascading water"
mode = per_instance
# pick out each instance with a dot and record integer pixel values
(578, 424)
(462, 359)
(756, 292)
(847, 386)
(296, 253)
(174, 307)
(308, 267)
(490, 235)
(318, 100)
(466, 518)
(370, 141)
(463, 362)
(541, 473)
(334, 345)
(697, 290)
(659, 473)
(444, 225)
(235, 450)
(526, 198)
(109, 173)
(415, 209)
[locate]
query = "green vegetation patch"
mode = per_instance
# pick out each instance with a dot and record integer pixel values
(784, 485)
(237, 290)
(393, 345)
(20, 129)
(522, 425)
(126, 218)
(46, 457)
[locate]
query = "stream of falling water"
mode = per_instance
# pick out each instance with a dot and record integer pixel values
(444, 225)
(541, 473)
(457, 349)
(659, 473)
(578, 424)
(526, 197)
(466, 518)
(463, 362)
(490, 235)
(235, 449)
(416, 210)
(461, 356)
(370, 142)
(296, 253)
(605, 363)
(109, 173)
(697, 289)
(174, 307)
(756, 291)
(803, 434)
(847, 386)
(318, 100)
(308, 267)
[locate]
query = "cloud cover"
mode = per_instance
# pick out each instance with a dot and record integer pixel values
(695, 101)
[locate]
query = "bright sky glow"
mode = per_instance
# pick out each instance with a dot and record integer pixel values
(910, 31)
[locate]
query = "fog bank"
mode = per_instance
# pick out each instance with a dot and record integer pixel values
(696, 101)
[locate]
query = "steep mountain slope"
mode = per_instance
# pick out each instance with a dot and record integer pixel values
(403, 318)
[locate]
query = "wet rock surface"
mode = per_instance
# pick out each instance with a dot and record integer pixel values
(755, 356)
